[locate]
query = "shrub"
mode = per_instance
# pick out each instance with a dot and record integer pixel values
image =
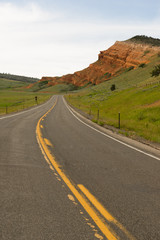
(95, 121)
(113, 87)
(142, 65)
(101, 124)
(108, 75)
(146, 52)
(129, 69)
(156, 71)
(42, 84)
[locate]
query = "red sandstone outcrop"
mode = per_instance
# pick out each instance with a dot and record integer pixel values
(110, 63)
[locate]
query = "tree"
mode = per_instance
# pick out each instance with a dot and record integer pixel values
(142, 65)
(156, 71)
(113, 87)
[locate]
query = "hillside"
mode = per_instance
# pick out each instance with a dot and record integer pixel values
(15, 97)
(145, 40)
(18, 78)
(11, 84)
(136, 97)
(120, 57)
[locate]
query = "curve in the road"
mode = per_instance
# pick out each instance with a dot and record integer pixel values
(92, 206)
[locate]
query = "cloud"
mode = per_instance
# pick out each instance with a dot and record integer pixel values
(38, 42)
(28, 14)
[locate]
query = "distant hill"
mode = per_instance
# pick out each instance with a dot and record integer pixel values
(145, 40)
(18, 78)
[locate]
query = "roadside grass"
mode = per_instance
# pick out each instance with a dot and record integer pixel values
(137, 98)
(134, 106)
(13, 101)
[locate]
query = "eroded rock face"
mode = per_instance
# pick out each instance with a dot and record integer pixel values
(110, 63)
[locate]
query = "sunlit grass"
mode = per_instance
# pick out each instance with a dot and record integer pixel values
(13, 101)
(136, 98)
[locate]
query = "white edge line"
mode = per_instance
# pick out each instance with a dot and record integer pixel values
(16, 114)
(125, 144)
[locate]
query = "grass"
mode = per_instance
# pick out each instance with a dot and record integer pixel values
(14, 96)
(60, 88)
(13, 101)
(137, 98)
(10, 84)
(57, 89)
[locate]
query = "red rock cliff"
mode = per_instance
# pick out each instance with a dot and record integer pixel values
(110, 63)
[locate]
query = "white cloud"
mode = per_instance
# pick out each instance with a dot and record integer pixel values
(28, 14)
(36, 42)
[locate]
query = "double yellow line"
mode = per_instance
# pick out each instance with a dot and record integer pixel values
(92, 206)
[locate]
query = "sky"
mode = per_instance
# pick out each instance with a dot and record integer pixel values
(56, 37)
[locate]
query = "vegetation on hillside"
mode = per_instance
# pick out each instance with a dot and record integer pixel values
(14, 101)
(145, 40)
(10, 84)
(136, 97)
(18, 78)
(156, 71)
(15, 97)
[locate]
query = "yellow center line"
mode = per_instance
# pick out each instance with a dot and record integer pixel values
(86, 205)
(103, 211)
(48, 142)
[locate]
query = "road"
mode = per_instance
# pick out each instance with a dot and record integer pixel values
(63, 178)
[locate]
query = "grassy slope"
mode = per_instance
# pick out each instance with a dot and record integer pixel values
(60, 88)
(13, 97)
(137, 98)
(57, 89)
(7, 84)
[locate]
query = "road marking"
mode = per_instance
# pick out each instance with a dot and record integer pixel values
(51, 167)
(45, 157)
(108, 136)
(90, 210)
(48, 142)
(103, 211)
(98, 236)
(71, 198)
(25, 111)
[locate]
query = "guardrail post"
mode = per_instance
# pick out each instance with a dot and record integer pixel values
(36, 100)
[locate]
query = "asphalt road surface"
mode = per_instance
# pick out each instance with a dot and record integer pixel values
(63, 178)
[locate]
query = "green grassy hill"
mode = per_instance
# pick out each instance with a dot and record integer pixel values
(145, 40)
(137, 98)
(11, 84)
(15, 97)
(18, 78)
(62, 88)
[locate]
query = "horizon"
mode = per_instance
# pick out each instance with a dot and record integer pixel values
(54, 38)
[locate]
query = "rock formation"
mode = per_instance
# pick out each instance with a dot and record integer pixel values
(111, 62)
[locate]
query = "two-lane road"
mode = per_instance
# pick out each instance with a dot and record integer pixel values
(66, 180)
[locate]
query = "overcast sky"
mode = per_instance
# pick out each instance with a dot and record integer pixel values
(56, 37)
